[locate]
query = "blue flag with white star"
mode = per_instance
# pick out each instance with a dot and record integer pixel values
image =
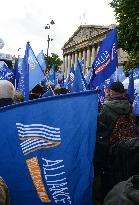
(47, 147)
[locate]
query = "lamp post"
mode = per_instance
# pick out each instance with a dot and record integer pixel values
(48, 26)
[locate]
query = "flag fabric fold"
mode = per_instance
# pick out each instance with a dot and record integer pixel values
(47, 154)
(131, 87)
(79, 83)
(41, 60)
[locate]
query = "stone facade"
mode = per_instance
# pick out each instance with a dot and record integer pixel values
(84, 44)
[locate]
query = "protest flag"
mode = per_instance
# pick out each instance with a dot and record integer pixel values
(79, 83)
(131, 87)
(46, 155)
(6, 73)
(51, 78)
(70, 79)
(120, 74)
(41, 60)
(33, 73)
(106, 60)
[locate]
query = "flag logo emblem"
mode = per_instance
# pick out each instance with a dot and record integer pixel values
(37, 136)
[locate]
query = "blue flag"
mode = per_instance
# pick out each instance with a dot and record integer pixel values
(136, 73)
(81, 63)
(90, 76)
(131, 86)
(6, 73)
(79, 83)
(70, 79)
(120, 74)
(21, 83)
(16, 75)
(51, 78)
(110, 80)
(46, 156)
(41, 60)
(35, 72)
(106, 60)
(136, 105)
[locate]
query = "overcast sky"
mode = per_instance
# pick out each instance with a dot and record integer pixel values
(22, 21)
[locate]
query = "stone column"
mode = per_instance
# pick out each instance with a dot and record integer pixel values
(69, 63)
(98, 48)
(88, 57)
(66, 64)
(76, 58)
(84, 57)
(93, 54)
(72, 58)
(80, 55)
(63, 66)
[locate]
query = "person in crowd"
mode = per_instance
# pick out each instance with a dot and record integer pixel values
(4, 193)
(18, 97)
(50, 91)
(117, 105)
(124, 193)
(115, 123)
(7, 92)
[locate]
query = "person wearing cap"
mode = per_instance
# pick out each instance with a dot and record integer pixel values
(116, 105)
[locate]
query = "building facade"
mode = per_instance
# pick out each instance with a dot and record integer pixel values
(84, 44)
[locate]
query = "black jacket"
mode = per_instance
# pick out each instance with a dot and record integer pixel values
(124, 193)
(5, 102)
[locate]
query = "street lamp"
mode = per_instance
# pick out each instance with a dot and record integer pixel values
(48, 26)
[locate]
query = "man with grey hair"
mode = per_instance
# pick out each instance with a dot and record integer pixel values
(7, 92)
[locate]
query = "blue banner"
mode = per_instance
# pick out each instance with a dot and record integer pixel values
(136, 73)
(120, 74)
(32, 68)
(41, 60)
(21, 82)
(51, 78)
(131, 87)
(79, 83)
(70, 79)
(46, 155)
(106, 60)
(6, 73)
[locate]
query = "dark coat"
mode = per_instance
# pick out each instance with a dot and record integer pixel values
(124, 193)
(5, 102)
(109, 113)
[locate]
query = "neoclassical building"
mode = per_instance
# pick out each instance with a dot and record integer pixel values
(84, 44)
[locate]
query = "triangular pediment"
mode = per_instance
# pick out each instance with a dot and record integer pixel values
(84, 33)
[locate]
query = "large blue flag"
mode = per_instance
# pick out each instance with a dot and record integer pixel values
(106, 60)
(41, 60)
(46, 156)
(131, 86)
(6, 73)
(79, 83)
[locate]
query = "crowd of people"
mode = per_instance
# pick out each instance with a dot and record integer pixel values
(116, 179)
